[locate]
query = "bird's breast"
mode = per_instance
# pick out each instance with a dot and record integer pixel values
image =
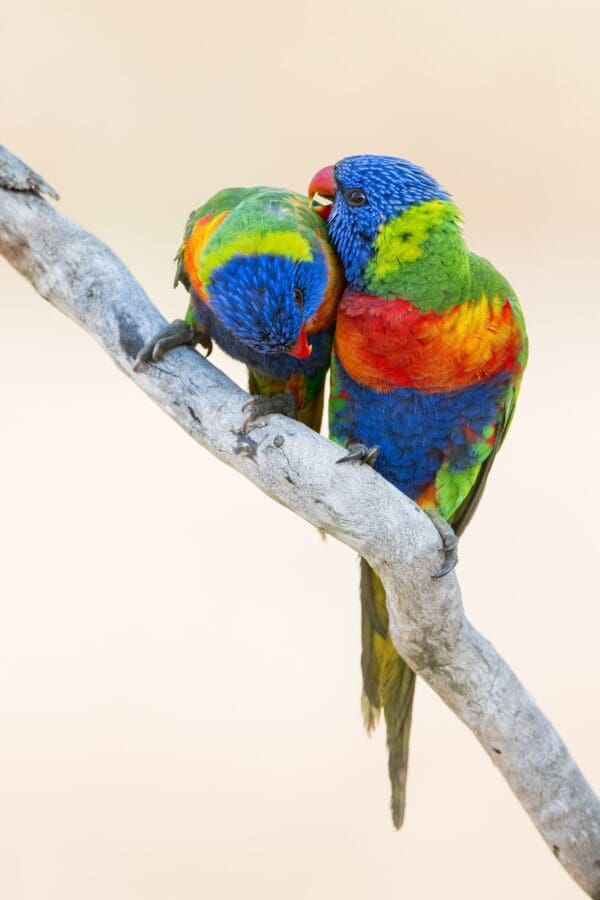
(388, 344)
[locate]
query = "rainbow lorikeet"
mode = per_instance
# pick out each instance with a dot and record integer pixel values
(264, 285)
(429, 350)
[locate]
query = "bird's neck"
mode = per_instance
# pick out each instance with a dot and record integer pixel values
(422, 257)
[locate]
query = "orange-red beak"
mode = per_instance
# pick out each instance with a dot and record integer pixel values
(301, 348)
(321, 192)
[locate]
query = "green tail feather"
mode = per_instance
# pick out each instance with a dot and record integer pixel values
(388, 684)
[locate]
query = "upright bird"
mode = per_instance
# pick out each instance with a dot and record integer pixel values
(264, 284)
(429, 350)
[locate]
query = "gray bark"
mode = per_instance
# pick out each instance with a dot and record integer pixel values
(79, 275)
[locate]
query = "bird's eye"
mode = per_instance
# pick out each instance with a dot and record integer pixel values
(357, 197)
(299, 297)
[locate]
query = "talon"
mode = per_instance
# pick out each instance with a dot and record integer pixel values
(283, 403)
(449, 542)
(248, 421)
(177, 334)
(205, 341)
(446, 569)
(145, 355)
(159, 350)
(139, 361)
(361, 453)
(371, 457)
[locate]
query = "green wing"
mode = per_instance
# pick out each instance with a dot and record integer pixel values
(464, 513)
(485, 279)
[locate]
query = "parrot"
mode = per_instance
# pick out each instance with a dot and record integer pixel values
(429, 350)
(264, 283)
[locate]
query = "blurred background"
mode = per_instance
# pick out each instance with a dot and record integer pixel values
(179, 656)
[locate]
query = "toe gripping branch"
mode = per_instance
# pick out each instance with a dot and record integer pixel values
(449, 542)
(360, 453)
(258, 407)
(177, 334)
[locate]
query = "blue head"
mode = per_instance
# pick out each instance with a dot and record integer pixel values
(265, 300)
(365, 192)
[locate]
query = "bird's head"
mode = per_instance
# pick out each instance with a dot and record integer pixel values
(359, 195)
(266, 299)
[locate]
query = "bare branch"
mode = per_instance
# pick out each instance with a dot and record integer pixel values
(78, 274)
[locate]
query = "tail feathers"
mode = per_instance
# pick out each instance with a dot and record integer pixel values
(370, 713)
(388, 685)
(398, 715)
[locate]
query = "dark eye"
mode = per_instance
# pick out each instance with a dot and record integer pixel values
(299, 297)
(356, 197)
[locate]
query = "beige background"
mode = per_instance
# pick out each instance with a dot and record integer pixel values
(165, 731)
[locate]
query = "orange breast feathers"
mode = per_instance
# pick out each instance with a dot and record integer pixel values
(388, 344)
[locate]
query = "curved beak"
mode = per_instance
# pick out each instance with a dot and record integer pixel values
(301, 348)
(321, 192)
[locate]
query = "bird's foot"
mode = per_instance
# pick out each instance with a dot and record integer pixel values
(449, 542)
(177, 334)
(361, 453)
(283, 403)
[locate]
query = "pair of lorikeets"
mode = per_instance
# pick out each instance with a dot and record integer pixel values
(426, 342)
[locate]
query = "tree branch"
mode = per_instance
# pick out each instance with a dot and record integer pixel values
(80, 276)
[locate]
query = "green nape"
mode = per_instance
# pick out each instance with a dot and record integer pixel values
(421, 256)
(269, 221)
(264, 219)
(222, 201)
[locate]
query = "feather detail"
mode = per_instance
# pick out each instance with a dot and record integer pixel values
(386, 344)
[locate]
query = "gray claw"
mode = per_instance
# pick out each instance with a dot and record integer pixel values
(177, 334)
(205, 340)
(449, 542)
(283, 403)
(361, 453)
